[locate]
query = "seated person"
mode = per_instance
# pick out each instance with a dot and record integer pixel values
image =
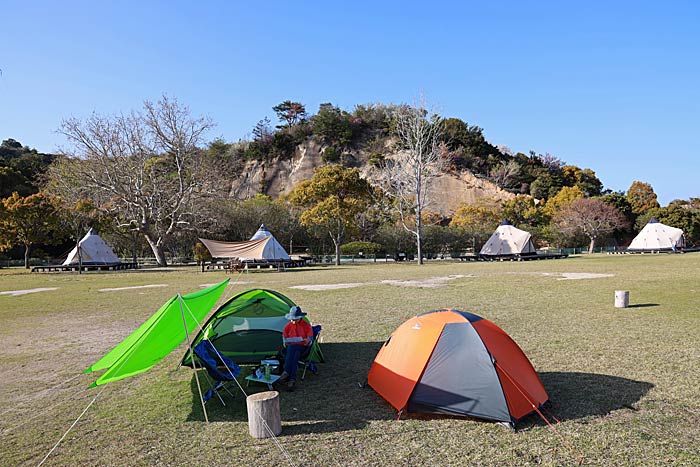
(296, 335)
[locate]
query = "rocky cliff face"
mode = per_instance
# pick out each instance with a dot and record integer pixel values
(279, 177)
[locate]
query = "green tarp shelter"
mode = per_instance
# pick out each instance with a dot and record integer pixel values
(158, 335)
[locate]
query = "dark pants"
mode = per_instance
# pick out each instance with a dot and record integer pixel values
(291, 360)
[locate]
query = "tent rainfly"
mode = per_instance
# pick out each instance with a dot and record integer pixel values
(247, 327)
(656, 236)
(456, 363)
(508, 241)
(158, 335)
(92, 250)
(262, 246)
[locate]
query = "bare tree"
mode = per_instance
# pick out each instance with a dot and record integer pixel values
(144, 169)
(505, 173)
(407, 177)
(590, 216)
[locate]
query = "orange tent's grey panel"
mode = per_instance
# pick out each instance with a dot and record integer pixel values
(460, 378)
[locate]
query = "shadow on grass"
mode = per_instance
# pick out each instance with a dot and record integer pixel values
(333, 400)
(336, 398)
(579, 395)
(643, 305)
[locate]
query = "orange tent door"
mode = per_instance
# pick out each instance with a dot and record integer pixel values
(402, 359)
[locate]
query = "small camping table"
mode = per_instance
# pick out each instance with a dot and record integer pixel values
(269, 379)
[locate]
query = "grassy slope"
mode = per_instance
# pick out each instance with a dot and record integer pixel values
(623, 382)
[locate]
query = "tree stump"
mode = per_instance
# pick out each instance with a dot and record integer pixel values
(264, 414)
(622, 298)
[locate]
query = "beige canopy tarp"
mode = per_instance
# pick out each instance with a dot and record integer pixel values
(266, 248)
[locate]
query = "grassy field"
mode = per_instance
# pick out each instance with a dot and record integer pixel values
(624, 383)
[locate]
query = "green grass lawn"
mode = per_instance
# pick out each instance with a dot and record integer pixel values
(623, 383)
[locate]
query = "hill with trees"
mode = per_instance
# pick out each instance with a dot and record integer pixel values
(430, 184)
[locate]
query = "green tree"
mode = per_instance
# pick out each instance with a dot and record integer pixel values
(468, 147)
(584, 179)
(360, 248)
(394, 239)
(641, 197)
(333, 126)
(28, 221)
(21, 168)
(333, 200)
(683, 217)
(290, 113)
(546, 185)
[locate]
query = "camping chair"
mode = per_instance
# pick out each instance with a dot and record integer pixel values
(210, 358)
(313, 354)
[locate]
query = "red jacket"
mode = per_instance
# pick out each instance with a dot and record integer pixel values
(302, 329)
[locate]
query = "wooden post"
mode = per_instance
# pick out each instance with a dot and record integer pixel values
(264, 414)
(622, 298)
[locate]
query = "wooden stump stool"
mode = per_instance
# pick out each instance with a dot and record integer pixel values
(622, 298)
(264, 414)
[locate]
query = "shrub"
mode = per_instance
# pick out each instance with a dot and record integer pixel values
(355, 248)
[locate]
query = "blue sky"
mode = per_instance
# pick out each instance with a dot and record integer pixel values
(612, 86)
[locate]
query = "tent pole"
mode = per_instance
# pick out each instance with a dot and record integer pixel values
(194, 365)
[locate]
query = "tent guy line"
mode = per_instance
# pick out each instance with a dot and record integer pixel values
(245, 394)
(117, 361)
(71, 427)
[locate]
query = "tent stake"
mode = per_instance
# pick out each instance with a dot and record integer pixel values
(194, 365)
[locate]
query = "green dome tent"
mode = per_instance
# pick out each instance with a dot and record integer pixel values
(248, 327)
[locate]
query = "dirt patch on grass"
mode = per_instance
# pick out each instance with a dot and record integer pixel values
(204, 286)
(578, 275)
(149, 286)
(330, 286)
(430, 283)
(16, 293)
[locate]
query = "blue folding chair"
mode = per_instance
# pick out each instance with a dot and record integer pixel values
(313, 354)
(211, 359)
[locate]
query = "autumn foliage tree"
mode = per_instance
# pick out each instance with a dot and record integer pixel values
(591, 217)
(641, 197)
(332, 200)
(27, 221)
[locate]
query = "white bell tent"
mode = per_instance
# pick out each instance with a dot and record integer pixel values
(508, 240)
(656, 236)
(91, 249)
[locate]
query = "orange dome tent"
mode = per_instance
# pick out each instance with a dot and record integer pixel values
(453, 362)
